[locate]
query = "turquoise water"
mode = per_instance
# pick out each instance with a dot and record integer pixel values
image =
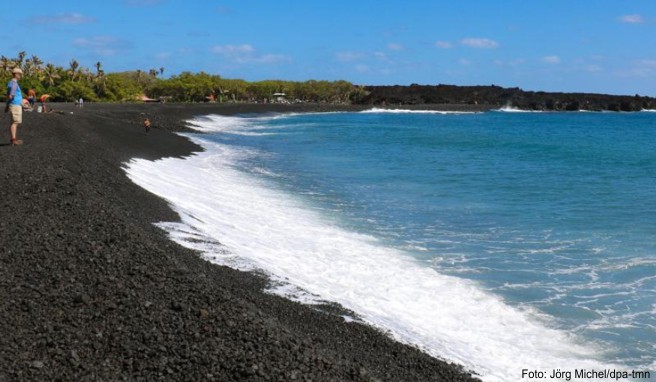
(554, 212)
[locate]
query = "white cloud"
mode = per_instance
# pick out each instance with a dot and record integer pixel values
(267, 59)
(104, 45)
(362, 68)
(465, 62)
(646, 63)
(395, 46)
(483, 43)
(594, 68)
(350, 56)
(632, 19)
(163, 55)
(551, 59)
(233, 50)
(61, 18)
(640, 68)
(516, 62)
(245, 53)
(443, 44)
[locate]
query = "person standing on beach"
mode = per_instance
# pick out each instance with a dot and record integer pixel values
(146, 124)
(14, 105)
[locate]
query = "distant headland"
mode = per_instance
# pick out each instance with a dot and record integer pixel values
(496, 96)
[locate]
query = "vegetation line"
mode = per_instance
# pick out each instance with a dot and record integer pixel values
(75, 82)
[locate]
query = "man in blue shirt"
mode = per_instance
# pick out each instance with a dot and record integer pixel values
(14, 105)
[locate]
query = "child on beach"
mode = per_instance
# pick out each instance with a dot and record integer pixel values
(31, 97)
(26, 104)
(43, 99)
(146, 124)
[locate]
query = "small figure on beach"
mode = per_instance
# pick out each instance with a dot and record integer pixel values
(25, 103)
(43, 100)
(31, 97)
(15, 105)
(147, 124)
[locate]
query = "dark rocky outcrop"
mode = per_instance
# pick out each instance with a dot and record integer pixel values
(496, 96)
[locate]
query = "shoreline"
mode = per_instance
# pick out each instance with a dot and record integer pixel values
(93, 290)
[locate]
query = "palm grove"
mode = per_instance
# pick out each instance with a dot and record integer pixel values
(74, 82)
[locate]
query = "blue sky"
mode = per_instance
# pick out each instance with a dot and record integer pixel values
(561, 45)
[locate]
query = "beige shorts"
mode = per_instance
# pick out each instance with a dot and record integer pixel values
(16, 113)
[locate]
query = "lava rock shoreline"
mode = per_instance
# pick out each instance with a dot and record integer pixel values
(91, 290)
(494, 97)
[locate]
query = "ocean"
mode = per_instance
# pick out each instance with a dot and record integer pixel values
(504, 241)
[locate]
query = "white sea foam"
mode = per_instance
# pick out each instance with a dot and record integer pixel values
(407, 111)
(232, 125)
(261, 227)
(510, 109)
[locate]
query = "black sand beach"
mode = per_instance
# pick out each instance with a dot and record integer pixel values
(90, 289)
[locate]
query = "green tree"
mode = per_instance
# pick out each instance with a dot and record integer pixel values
(50, 74)
(70, 90)
(122, 86)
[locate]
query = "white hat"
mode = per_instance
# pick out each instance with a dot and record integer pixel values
(17, 70)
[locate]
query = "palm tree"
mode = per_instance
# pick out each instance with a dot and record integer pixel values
(99, 70)
(51, 74)
(161, 71)
(100, 84)
(37, 64)
(21, 58)
(153, 72)
(28, 68)
(32, 66)
(6, 64)
(72, 72)
(139, 74)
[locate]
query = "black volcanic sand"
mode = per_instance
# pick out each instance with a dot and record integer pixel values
(91, 290)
